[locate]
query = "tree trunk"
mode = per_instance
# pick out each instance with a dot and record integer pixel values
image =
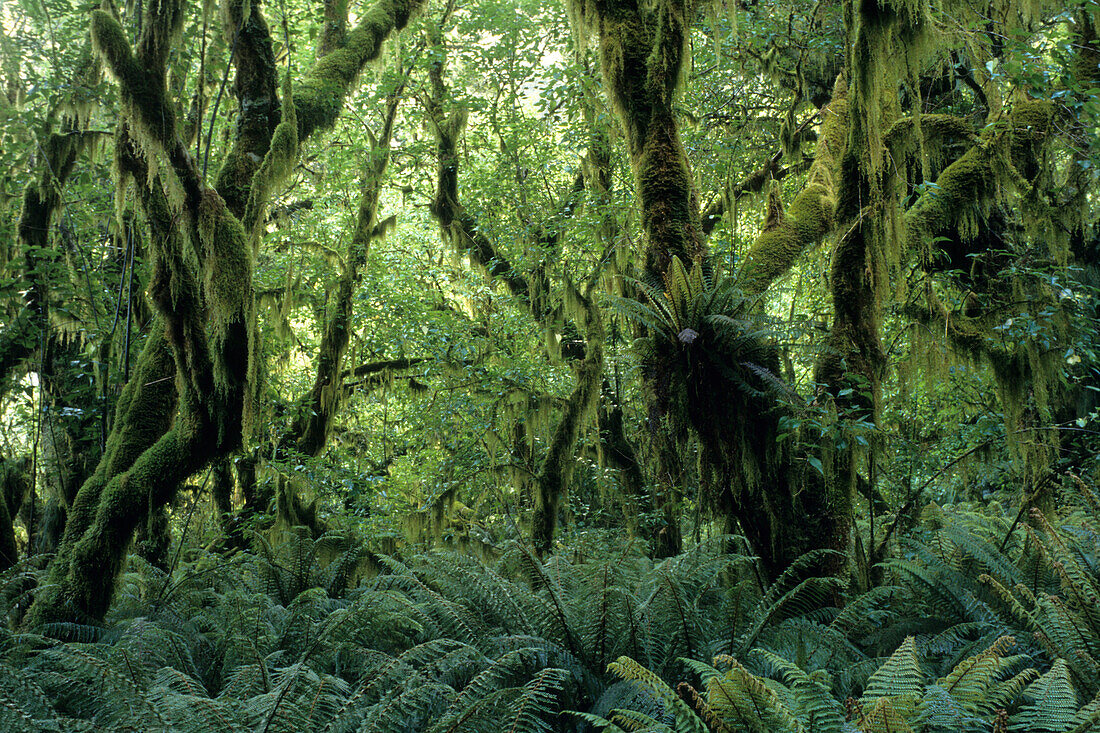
(166, 432)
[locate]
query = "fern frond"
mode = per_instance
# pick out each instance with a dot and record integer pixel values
(901, 675)
(1051, 703)
(744, 699)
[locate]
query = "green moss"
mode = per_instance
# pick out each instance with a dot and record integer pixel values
(275, 169)
(557, 467)
(319, 97)
(937, 131)
(142, 92)
(143, 414)
(811, 215)
(1031, 116)
(989, 170)
(162, 22)
(227, 286)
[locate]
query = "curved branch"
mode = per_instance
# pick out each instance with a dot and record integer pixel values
(811, 215)
(319, 97)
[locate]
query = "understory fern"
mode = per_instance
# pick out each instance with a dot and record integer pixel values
(979, 626)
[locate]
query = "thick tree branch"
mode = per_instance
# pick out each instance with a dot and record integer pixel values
(811, 215)
(319, 97)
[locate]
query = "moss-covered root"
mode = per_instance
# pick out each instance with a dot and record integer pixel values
(811, 215)
(319, 97)
(557, 467)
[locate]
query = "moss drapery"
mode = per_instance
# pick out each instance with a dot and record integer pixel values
(201, 258)
(552, 482)
(749, 478)
(460, 229)
(311, 429)
(41, 200)
(811, 214)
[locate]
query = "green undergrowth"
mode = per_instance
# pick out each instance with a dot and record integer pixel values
(980, 625)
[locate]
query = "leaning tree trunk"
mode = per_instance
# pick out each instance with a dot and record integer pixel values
(460, 229)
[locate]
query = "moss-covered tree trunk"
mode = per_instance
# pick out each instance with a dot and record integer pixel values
(552, 483)
(619, 452)
(318, 408)
(14, 488)
(643, 49)
(201, 252)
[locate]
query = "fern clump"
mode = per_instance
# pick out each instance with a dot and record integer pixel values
(328, 635)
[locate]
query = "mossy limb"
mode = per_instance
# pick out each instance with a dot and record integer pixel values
(811, 214)
(278, 163)
(556, 471)
(319, 97)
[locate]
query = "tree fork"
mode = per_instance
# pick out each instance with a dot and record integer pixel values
(205, 314)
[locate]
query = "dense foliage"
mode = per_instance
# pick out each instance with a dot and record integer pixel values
(657, 365)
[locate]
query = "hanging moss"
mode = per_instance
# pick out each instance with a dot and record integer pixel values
(320, 405)
(557, 467)
(227, 290)
(142, 92)
(291, 511)
(161, 24)
(41, 202)
(967, 187)
(938, 132)
(811, 215)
